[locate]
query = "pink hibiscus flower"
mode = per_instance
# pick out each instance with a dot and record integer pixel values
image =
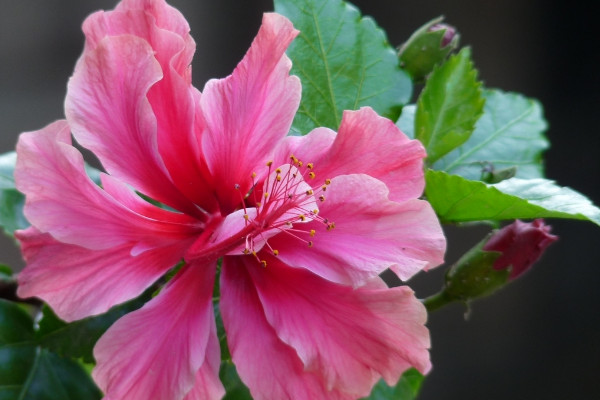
(303, 225)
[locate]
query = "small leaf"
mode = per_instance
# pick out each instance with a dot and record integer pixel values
(77, 339)
(449, 106)
(510, 133)
(234, 387)
(456, 199)
(29, 372)
(407, 388)
(344, 62)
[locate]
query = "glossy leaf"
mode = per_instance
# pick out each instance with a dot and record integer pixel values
(456, 199)
(449, 106)
(30, 372)
(510, 133)
(344, 61)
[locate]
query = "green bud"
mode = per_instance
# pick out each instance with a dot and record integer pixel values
(474, 276)
(427, 47)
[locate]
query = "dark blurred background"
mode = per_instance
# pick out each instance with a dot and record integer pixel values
(537, 339)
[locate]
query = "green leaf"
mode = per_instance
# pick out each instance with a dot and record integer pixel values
(11, 211)
(7, 167)
(406, 122)
(449, 106)
(344, 62)
(234, 387)
(407, 388)
(456, 199)
(29, 372)
(510, 133)
(77, 339)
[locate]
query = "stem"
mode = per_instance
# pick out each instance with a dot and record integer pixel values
(438, 300)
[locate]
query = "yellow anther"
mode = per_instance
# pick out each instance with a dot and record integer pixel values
(322, 198)
(278, 170)
(246, 217)
(309, 192)
(313, 233)
(293, 158)
(246, 251)
(266, 194)
(310, 243)
(328, 181)
(324, 187)
(264, 263)
(302, 217)
(269, 163)
(258, 204)
(278, 177)
(311, 175)
(275, 252)
(300, 163)
(309, 165)
(330, 226)
(253, 174)
(315, 211)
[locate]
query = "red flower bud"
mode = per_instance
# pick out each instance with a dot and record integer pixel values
(448, 35)
(521, 245)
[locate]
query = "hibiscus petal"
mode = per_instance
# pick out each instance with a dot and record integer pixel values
(173, 98)
(365, 144)
(350, 337)
(248, 112)
(78, 282)
(109, 114)
(157, 351)
(208, 386)
(372, 233)
(270, 368)
(50, 172)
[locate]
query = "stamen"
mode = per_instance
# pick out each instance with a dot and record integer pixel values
(311, 175)
(309, 192)
(313, 233)
(310, 243)
(322, 198)
(309, 165)
(275, 252)
(263, 263)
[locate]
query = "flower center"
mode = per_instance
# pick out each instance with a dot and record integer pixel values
(287, 202)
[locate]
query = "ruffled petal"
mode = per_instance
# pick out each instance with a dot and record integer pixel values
(270, 368)
(349, 337)
(207, 385)
(78, 282)
(109, 113)
(173, 98)
(372, 233)
(157, 351)
(50, 172)
(365, 144)
(248, 112)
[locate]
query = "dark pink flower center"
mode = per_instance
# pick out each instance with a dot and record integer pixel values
(283, 205)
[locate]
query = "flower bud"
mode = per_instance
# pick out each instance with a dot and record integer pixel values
(493, 262)
(428, 46)
(521, 244)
